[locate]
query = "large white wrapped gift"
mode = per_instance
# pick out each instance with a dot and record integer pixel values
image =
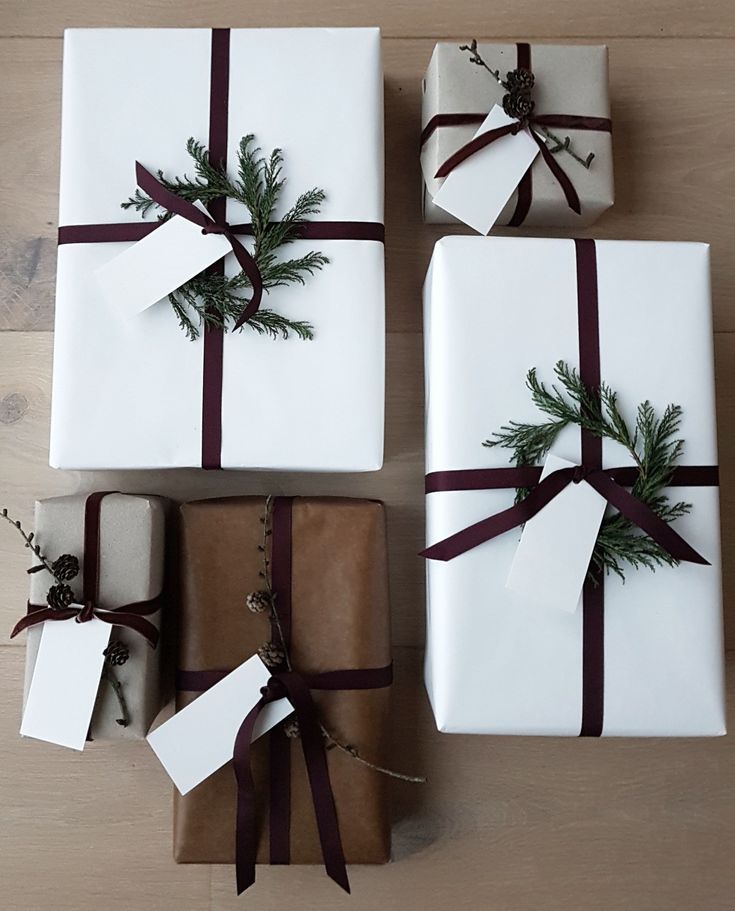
(133, 391)
(643, 657)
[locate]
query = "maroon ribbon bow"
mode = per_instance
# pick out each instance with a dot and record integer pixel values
(562, 121)
(603, 481)
(131, 616)
(178, 206)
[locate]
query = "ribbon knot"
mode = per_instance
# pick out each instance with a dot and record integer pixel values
(581, 473)
(178, 206)
(216, 227)
(86, 613)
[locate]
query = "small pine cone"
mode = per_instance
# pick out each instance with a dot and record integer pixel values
(520, 81)
(117, 653)
(257, 602)
(516, 104)
(65, 568)
(60, 596)
(291, 728)
(271, 655)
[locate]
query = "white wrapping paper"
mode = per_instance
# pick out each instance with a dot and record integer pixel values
(127, 393)
(495, 307)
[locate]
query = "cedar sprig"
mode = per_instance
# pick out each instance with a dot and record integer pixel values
(216, 300)
(652, 444)
(560, 145)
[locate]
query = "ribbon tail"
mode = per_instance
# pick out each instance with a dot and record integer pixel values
(315, 758)
(489, 528)
(646, 519)
(245, 832)
(475, 145)
(250, 268)
(559, 173)
(40, 613)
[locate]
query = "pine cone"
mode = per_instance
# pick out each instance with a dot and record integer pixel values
(117, 653)
(518, 105)
(257, 602)
(271, 655)
(520, 81)
(65, 568)
(291, 728)
(59, 596)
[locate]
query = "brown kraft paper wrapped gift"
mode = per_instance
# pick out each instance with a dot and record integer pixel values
(131, 569)
(339, 619)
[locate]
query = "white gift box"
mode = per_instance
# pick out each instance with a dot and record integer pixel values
(127, 391)
(494, 308)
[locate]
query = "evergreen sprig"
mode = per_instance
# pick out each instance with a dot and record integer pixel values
(216, 300)
(652, 444)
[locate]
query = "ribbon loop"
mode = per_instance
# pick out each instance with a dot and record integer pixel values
(178, 206)
(635, 510)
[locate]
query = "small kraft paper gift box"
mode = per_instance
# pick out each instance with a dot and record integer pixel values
(516, 134)
(220, 260)
(301, 583)
(572, 508)
(98, 574)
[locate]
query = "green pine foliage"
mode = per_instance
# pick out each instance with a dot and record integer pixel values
(652, 444)
(216, 300)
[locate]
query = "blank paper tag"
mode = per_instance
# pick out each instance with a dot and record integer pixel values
(556, 545)
(477, 190)
(65, 681)
(200, 738)
(158, 264)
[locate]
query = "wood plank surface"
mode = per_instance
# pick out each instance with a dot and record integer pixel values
(508, 824)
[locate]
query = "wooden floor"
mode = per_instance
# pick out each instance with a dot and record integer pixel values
(504, 824)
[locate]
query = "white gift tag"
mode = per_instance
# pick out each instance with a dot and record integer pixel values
(158, 264)
(200, 738)
(477, 189)
(556, 545)
(65, 681)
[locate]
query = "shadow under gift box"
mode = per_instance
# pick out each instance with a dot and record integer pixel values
(339, 619)
(569, 80)
(495, 663)
(131, 570)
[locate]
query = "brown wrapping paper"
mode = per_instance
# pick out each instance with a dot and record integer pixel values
(340, 619)
(570, 79)
(132, 555)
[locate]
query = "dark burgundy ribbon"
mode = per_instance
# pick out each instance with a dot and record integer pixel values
(213, 336)
(543, 493)
(562, 121)
(178, 206)
(609, 482)
(290, 684)
(131, 616)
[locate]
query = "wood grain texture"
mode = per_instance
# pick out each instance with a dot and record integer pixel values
(505, 823)
(402, 18)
